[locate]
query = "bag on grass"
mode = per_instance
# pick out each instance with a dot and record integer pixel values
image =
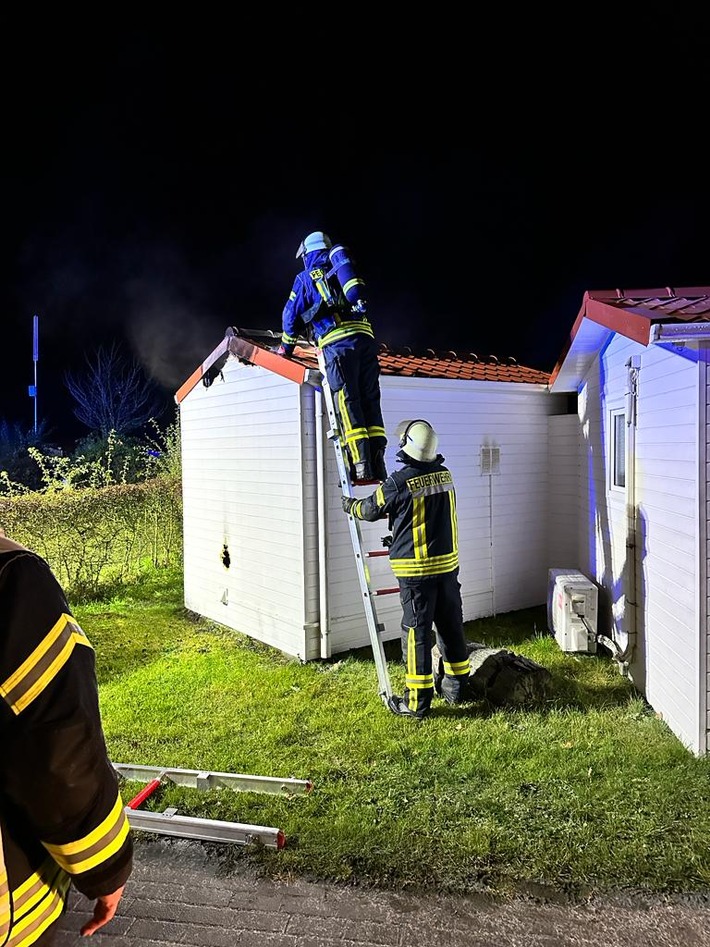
(499, 676)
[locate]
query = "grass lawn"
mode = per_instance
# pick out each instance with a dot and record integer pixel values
(589, 792)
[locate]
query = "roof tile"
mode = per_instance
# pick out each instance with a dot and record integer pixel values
(430, 364)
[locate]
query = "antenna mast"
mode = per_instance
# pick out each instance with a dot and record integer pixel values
(35, 359)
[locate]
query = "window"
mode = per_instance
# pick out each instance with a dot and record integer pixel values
(617, 470)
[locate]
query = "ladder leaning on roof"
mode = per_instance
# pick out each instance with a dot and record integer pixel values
(374, 627)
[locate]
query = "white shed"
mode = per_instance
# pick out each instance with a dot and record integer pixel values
(638, 462)
(267, 548)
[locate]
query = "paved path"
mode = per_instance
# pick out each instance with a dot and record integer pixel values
(179, 897)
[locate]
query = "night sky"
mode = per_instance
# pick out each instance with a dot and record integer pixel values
(156, 188)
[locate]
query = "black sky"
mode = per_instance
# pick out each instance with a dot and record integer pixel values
(156, 186)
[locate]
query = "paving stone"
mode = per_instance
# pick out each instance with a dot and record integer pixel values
(179, 896)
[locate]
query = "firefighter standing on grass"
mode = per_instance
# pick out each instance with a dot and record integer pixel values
(327, 302)
(62, 820)
(420, 501)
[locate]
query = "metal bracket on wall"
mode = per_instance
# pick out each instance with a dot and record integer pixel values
(170, 823)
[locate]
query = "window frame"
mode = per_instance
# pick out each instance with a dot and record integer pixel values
(616, 478)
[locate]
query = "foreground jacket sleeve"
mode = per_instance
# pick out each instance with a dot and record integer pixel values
(56, 778)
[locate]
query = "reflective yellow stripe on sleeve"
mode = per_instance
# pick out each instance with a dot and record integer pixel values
(42, 666)
(88, 852)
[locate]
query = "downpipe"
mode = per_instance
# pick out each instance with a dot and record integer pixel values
(625, 656)
(322, 540)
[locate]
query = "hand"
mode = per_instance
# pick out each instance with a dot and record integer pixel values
(104, 910)
(348, 503)
(281, 350)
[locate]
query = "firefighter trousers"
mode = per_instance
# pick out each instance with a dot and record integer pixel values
(353, 374)
(427, 604)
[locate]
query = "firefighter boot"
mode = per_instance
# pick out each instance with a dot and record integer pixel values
(362, 467)
(363, 474)
(398, 705)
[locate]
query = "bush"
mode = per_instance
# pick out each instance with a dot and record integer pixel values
(96, 462)
(98, 539)
(17, 466)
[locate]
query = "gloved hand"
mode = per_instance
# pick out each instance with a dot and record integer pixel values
(348, 503)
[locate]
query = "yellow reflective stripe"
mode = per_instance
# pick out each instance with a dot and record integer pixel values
(4, 897)
(346, 427)
(435, 565)
(454, 523)
(419, 528)
(289, 339)
(457, 668)
(43, 664)
(376, 431)
(38, 902)
(411, 666)
(344, 418)
(352, 282)
(88, 852)
(33, 925)
(355, 434)
(419, 681)
(349, 327)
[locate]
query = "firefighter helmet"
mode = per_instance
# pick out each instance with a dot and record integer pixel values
(314, 241)
(418, 439)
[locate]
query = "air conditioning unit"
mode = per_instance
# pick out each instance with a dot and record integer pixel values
(572, 610)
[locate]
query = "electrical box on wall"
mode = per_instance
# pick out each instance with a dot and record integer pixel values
(572, 610)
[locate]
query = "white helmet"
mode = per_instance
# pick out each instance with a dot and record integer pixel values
(418, 439)
(314, 241)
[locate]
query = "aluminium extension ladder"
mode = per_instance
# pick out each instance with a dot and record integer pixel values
(210, 830)
(375, 628)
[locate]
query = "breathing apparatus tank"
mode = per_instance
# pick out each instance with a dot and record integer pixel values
(353, 287)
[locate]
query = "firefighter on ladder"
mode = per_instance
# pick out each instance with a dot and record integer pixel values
(420, 501)
(327, 302)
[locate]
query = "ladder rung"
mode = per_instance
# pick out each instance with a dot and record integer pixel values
(385, 591)
(378, 552)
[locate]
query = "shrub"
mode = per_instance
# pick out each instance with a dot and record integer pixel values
(17, 466)
(96, 539)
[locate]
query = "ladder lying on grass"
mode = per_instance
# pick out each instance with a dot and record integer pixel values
(169, 822)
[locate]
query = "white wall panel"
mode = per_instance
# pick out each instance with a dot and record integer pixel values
(243, 488)
(665, 665)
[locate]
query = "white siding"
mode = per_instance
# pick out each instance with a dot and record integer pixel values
(502, 516)
(704, 554)
(564, 462)
(251, 481)
(665, 664)
(245, 455)
(667, 501)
